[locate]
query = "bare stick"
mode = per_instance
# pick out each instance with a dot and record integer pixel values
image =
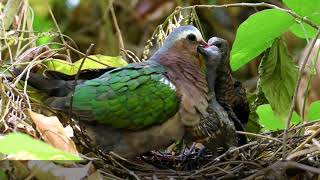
(59, 31)
(258, 135)
(128, 170)
(302, 153)
(77, 76)
(306, 141)
(283, 166)
(262, 4)
(116, 26)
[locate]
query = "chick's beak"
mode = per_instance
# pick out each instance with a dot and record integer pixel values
(200, 50)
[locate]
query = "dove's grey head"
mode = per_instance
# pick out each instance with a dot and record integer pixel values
(182, 33)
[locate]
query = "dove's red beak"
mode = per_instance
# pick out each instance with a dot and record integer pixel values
(204, 44)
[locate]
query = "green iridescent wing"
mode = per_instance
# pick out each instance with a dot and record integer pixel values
(132, 97)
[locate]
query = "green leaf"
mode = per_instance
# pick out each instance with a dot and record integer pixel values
(314, 111)
(305, 8)
(272, 122)
(278, 76)
(99, 62)
(257, 33)
(23, 146)
(303, 30)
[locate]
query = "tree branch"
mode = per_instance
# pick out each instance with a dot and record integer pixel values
(262, 4)
(116, 26)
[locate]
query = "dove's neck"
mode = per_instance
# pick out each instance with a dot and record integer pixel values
(160, 52)
(186, 74)
(211, 75)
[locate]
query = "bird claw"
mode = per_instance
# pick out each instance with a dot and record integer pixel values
(193, 151)
(200, 152)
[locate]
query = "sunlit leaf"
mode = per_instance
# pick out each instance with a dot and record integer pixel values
(309, 9)
(257, 33)
(99, 62)
(272, 122)
(303, 30)
(304, 7)
(20, 146)
(278, 76)
(314, 111)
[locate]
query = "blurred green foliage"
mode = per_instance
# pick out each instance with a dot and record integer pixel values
(314, 111)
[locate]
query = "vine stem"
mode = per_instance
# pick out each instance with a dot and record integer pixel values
(178, 9)
(77, 77)
(262, 4)
(304, 62)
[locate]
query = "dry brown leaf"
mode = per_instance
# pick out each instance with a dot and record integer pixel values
(53, 132)
(41, 52)
(28, 129)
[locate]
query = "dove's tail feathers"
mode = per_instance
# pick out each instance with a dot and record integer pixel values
(53, 87)
(57, 103)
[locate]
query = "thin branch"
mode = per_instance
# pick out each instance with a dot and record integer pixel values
(310, 78)
(116, 26)
(77, 76)
(258, 135)
(303, 152)
(179, 9)
(126, 169)
(262, 4)
(88, 57)
(60, 33)
(306, 141)
(301, 70)
(217, 159)
(24, 17)
(283, 166)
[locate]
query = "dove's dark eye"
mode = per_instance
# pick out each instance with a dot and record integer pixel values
(191, 37)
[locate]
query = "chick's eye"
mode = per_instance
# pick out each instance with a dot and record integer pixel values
(191, 37)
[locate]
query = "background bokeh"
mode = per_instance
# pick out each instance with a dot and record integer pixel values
(89, 22)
